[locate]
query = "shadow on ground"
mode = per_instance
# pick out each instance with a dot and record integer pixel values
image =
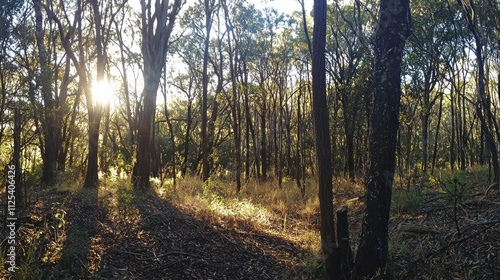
(81, 219)
(170, 244)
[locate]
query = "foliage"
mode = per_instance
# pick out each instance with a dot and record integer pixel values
(213, 191)
(406, 201)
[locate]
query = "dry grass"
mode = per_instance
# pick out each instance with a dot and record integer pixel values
(263, 212)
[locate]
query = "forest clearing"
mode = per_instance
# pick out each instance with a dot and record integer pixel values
(235, 139)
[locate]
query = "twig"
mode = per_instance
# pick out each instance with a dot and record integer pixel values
(149, 216)
(443, 248)
(81, 262)
(170, 253)
(130, 253)
(145, 258)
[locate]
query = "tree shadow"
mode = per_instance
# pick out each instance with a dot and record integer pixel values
(172, 244)
(81, 220)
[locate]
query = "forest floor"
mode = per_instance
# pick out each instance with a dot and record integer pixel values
(439, 229)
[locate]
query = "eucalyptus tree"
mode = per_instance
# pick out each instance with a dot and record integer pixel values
(51, 133)
(483, 102)
(392, 31)
(209, 7)
(263, 68)
(234, 97)
(80, 60)
(191, 81)
(125, 35)
(346, 51)
(8, 12)
(322, 140)
(425, 61)
(157, 23)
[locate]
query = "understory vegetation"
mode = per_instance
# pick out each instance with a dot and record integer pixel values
(441, 227)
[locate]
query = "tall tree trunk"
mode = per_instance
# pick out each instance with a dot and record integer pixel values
(322, 141)
(392, 31)
(95, 108)
(263, 141)
(130, 119)
(209, 4)
(235, 115)
(171, 132)
(186, 138)
(50, 128)
(299, 148)
(156, 29)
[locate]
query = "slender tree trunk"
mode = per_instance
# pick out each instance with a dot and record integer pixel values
(171, 132)
(322, 141)
(235, 104)
(95, 108)
(483, 102)
(263, 141)
(392, 31)
(186, 138)
(130, 119)
(438, 127)
(298, 170)
(425, 139)
(50, 132)
(209, 4)
(19, 191)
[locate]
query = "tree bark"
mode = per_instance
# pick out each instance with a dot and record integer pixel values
(322, 141)
(209, 4)
(156, 30)
(392, 31)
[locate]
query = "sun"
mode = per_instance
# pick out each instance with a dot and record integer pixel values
(102, 93)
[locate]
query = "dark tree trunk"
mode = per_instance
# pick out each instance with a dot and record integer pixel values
(156, 30)
(434, 153)
(50, 124)
(263, 141)
(186, 138)
(95, 108)
(209, 4)
(322, 141)
(142, 167)
(18, 182)
(392, 31)
(453, 110)
(299, 147)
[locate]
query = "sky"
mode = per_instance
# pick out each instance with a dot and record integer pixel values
(284, 6)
